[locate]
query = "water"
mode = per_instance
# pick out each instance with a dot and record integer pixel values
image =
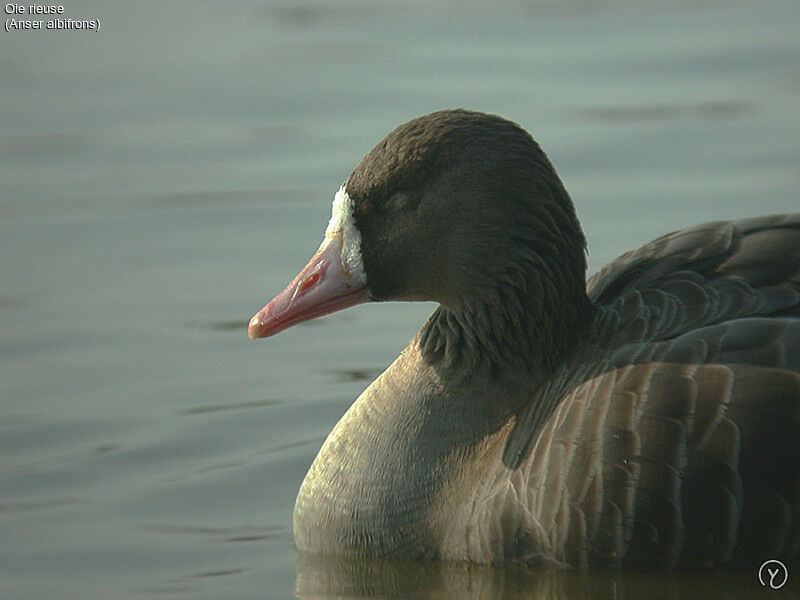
(162, 178)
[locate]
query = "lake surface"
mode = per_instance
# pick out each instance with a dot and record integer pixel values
(163, 177)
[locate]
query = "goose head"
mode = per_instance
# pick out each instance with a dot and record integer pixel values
(461, 208)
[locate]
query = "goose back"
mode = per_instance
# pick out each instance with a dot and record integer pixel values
(676, 438)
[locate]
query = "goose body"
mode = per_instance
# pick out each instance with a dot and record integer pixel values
(649, 418)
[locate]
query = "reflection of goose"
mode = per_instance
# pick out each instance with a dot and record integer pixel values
(321, 576)
(650, 418)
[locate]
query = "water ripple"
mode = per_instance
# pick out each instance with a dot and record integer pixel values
(215, 408)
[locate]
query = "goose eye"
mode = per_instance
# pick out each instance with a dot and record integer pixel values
(398, 201)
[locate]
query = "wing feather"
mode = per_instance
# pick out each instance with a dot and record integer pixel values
(684, 441)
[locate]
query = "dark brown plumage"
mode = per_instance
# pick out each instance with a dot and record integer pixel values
(648, 419)
(693, 363)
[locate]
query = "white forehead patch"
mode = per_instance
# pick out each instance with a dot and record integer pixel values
(343, 224)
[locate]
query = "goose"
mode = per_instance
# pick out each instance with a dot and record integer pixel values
(647, 418)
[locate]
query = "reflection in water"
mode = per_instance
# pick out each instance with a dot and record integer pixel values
(338, 577)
